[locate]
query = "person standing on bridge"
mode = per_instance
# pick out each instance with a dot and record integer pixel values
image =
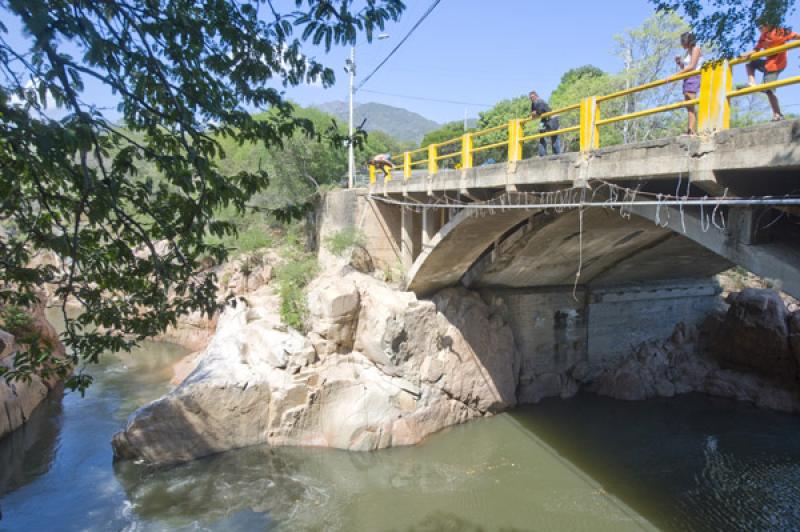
(550, 123)
(691, 86)
(773, 65)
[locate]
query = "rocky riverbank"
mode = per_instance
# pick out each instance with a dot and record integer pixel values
(749, 352)
(378, 367)
(18, 399)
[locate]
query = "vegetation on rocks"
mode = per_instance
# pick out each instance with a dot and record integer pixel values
(292, 277)
(342, 240)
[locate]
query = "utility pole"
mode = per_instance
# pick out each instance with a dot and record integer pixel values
(351, 150)
(351, 153)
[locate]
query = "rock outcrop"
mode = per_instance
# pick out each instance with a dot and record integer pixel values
(679, 366)
(238, 277)
(18, 399)
(379, 368)
(754, 335)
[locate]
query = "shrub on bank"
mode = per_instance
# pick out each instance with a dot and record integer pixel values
(292, 277)
(345, 239)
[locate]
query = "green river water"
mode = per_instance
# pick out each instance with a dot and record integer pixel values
(588, 463)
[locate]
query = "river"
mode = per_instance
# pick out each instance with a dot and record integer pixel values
(588, 463)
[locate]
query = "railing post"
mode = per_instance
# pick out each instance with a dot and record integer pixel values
(714, 110)
(589, 133)
(433, 164)
(372, 174)
(514, 144)
(466, 151)
(407, 165)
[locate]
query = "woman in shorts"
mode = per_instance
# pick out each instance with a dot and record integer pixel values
(691, 86)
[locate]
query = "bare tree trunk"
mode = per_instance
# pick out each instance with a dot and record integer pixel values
(630, 104)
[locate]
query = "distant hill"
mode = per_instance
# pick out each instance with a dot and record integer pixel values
(401, 124)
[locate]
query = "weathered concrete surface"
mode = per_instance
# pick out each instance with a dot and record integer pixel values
(557, 329)
(456, 247)
(524, 249)
(497, 249)
(777, 260)
(517, 249)
(380, 224)
(708, 162)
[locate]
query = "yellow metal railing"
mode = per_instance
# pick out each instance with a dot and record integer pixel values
(713, 114)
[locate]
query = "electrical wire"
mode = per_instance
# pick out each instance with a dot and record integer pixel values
(766, 201)
(403, 40)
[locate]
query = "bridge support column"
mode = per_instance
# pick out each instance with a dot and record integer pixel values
(430, 224)
(407, 237)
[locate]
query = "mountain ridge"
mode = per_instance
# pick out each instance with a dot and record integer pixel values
(400, 123)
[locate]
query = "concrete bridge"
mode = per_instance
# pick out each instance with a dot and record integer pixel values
(525, 248)
(644, 271)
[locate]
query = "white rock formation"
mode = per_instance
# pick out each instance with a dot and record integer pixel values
(379, 368)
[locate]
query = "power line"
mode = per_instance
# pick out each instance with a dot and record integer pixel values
(404, 39)
(455, 102)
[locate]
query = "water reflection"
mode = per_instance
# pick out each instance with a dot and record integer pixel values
(481, 476)
(585, 464)
(691, 462)
(28, 452)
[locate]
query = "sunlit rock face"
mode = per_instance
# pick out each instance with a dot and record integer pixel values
(378, 368)
(18, 399)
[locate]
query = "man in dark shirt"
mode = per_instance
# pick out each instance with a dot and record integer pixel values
(538, 108)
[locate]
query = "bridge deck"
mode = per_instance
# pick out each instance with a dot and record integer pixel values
(712, 163)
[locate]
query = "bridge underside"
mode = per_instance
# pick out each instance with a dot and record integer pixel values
(545, 250)
(525, 249)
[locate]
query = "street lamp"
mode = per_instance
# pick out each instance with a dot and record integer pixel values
(351, 153)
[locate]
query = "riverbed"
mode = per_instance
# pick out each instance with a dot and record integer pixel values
(588, 463)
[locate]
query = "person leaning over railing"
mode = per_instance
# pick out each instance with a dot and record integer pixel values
(691, 86)
(382, 161)
(773, 65)
(538, 108)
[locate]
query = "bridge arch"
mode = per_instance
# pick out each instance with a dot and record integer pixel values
(523, 249)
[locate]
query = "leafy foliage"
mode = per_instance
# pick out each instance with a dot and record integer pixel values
(732, 25)
(447, 132)
(131, 209)
(648, 53)
(292, 278)
(345, 239)
(580, 83)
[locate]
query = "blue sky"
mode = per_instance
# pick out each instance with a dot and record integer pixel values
(481, 51)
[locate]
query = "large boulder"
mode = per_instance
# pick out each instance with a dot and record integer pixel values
(469, 327)
(794, 335)
(409, 371)
(18, 399)
(333, 305)
(754, 335)
(676, 367)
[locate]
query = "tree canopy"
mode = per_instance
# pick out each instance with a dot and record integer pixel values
(186, 73)
(446, 132)
(732, 25)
